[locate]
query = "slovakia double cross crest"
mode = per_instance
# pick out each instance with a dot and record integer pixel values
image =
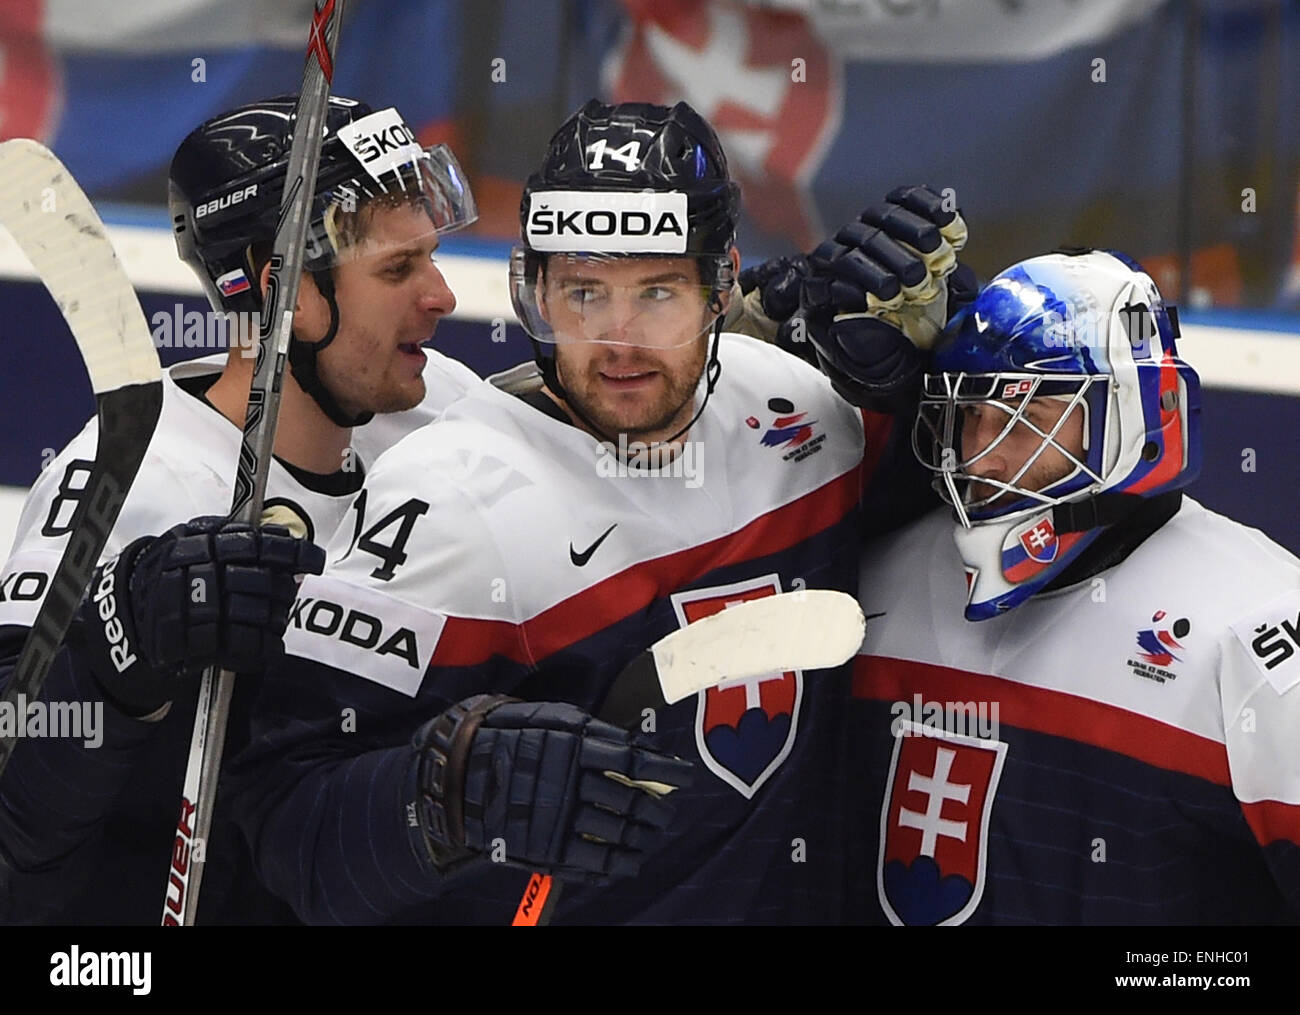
(744, 730)
(934, 825)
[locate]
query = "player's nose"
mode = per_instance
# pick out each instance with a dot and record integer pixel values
(979, 431)
(435, 293)
(618, 322)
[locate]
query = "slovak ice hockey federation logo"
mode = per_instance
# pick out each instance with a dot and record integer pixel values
(746, 729)
(934, 825)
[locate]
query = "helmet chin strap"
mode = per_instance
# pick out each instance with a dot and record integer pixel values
(551, 376)
(303, 361)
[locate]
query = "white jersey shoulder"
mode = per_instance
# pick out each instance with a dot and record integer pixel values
(1183, 631)
(188, 470)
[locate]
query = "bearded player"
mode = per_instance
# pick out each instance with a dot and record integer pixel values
(430, 737)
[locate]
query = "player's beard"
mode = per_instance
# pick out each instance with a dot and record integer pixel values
(1047, 470)
(369, 377)
(657, 417)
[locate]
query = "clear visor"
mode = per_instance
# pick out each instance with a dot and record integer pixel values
(405, 207)
(649, 302)
(997, 474)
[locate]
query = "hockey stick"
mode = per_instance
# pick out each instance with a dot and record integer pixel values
(56, 226)
(207, 743)
(815, 629)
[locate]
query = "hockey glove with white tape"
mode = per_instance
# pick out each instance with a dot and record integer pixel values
(208, 592)
(877, 294)
(564, 792)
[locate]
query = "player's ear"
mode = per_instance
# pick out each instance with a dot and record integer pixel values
(307, 281)
(311, 315)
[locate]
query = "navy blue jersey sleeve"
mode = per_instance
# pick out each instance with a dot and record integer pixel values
(321, 792)
(58, 790)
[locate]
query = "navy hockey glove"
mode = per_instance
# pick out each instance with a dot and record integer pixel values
(770, 297)
(877, 295)
(208, 592)
(566, 793)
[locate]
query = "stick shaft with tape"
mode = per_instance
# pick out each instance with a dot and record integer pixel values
(207, 742)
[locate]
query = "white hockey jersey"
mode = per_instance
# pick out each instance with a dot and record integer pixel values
(1121, 751)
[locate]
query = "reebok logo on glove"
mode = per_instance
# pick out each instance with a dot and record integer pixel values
(119, 649)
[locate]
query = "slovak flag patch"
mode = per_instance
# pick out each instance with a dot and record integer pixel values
(1025, 554)
(233, 282)
(1040, 542)
(934, 825)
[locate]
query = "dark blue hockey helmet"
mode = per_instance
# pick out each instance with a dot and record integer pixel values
(227, 182)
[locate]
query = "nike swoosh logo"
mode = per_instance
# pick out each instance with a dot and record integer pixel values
(872, 616)
(580, 559)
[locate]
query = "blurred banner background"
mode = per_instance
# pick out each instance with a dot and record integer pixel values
(1167, 129)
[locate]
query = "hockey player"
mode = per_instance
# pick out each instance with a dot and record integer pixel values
(528, 547)
(86, 828)
(1109, 735)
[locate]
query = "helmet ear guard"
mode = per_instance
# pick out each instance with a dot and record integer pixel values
(1090, 325)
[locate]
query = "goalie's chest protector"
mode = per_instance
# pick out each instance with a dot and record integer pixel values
(539, 563)
(1069, 761)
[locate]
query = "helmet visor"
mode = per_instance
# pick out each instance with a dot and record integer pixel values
(404, 201)
(659, 302)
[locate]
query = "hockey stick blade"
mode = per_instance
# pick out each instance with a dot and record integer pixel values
(812, 629)
(207, 742)
(54, 224)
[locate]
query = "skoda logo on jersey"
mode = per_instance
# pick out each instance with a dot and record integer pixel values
(621, 223)
(363, 630)
(746, 729)
(934, 825)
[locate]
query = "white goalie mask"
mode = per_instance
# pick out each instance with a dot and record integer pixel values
(1056, 396)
